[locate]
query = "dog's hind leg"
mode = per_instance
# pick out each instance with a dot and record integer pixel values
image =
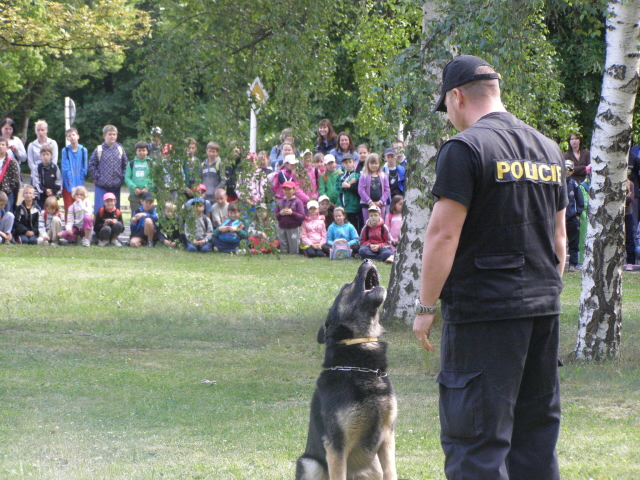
(310, 469)
(387, 455)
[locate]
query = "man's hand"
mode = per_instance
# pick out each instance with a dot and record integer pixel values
(422, 329)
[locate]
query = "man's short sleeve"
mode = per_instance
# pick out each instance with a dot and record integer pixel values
(455, 173)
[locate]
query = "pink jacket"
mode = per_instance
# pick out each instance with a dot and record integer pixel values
(313, 231)
(277, 185)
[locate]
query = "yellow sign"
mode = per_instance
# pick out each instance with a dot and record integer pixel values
(257, 93)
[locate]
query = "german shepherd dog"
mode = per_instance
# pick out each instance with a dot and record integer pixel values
(353, 410)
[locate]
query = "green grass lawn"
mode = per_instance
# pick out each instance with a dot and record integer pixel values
(102, 354)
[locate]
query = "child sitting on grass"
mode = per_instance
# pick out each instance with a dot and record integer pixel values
(341, 231)
(314, 232)
(227, 236)
(261, 231)
(144, 223)
(79, 221)
(169, 233)
(200, 240)
(290, 214)
(375, 238)
(219, 210)
(51, 223)
(109, 224)
(25, 226)
(6, 220)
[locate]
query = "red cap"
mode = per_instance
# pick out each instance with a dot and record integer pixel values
(289, 184)
(202, 186)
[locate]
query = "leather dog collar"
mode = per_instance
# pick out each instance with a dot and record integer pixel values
(353, 341)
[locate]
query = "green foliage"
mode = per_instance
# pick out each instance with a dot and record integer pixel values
(381, 31)
(205, 54)
(46, 45)
(576, 30)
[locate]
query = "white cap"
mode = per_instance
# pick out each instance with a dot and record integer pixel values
(329, 158)
(312, 203)
(322, 198)
(291, 159)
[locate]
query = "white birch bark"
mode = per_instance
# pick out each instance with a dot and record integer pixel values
(404, 284)
(601, 298)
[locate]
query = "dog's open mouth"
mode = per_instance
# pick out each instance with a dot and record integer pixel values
(371, 280)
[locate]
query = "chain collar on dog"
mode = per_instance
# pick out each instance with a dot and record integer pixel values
(378, 372)
(353, 341)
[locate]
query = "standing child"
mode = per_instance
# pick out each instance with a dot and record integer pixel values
(341, 231)
(375, 238)
(47, 181)
(310, 175)
(314, 232)
(51, 223)
(394, 218)
(200, 240)
(261, 230)
(347, 188)
(6, 219)
(363, 153)
(9, 174)
(572, 216)
(373, 186)
(138, 176)
(27, 219)
(395, 173)
(79, 221)
(326, 210)
(329, 179)
(144, 224)
(290, 214)
(33, 151)
(227, 237)
(107, 165)
(109, 224)
(211, 172)
(289, 173)
(75, 165)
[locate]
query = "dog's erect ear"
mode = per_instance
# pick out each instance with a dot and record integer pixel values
(321, 334)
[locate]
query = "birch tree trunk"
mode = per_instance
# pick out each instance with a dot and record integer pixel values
(601, 298)
(404, 284)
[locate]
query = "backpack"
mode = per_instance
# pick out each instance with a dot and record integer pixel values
(120, 151)
(340, 251)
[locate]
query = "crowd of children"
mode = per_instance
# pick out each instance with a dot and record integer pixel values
(338, 202)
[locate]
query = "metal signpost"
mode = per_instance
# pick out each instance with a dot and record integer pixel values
(258, 96)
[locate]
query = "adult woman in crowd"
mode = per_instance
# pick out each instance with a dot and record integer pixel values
(327, 138)
(579, 156)
(33, 152)
(16, 148)
(345, 145)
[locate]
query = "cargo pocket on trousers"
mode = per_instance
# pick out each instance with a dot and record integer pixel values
(461, 403)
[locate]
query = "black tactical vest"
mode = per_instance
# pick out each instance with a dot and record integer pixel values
(505, 266)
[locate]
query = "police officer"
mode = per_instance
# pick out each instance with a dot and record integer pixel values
(494, 253)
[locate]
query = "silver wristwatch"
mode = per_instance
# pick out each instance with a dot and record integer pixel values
(423, 309)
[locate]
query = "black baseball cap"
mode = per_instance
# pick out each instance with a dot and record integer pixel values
(146, 196)
(460, 71)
